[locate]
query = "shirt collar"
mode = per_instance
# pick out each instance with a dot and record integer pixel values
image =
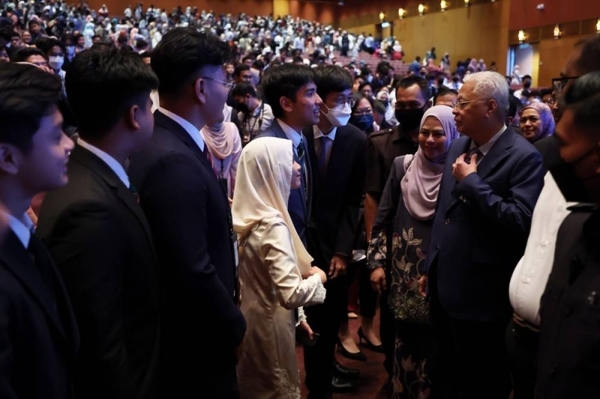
(22, 227)
(318, 133)
(187, 126)
(290, 133)
(108, 160)
(485, 148)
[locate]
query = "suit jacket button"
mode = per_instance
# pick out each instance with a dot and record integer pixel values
(447, 221)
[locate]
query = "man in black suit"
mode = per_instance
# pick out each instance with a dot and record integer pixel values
(190, 219)
(38, 334)
(490, 184)
(291, 92)
(97, 232)
(338, 154)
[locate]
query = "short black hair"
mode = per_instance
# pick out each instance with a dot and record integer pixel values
(416, 80)
(284, 81)
(46, 44)
(243, 88)
(583, 98)
(443, 91)
(332, 79)
(182, 54)
(379, 107)
(526, 77)
(22, 54)
(108, 81)
(239, 68)
(27, 94)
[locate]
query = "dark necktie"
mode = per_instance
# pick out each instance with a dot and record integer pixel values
(474, 150)
(301, 149)
(325, 144)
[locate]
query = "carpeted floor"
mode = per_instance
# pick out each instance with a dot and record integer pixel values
(372, 374)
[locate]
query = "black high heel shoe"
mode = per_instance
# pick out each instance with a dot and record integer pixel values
(368, 344)
(354, 356)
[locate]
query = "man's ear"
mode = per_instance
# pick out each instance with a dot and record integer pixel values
(10, 159)
(200, 90)
(133, 116)
(286, 104)
(492, 107)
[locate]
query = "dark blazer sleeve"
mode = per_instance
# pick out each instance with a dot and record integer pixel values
(514, 212)
(348, 221)
(180, 237)
(87, 244)
(6, 350)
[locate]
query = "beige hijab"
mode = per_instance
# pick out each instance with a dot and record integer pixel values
(262, 190)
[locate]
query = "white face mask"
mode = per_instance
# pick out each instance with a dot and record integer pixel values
(339, 116)
(56, 62)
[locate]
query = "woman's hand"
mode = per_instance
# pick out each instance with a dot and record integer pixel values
(316, 270)
(304, 326)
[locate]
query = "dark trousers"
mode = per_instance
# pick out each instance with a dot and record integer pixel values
(367, 297)
(472, 361)
(325, 320)
(522, 347)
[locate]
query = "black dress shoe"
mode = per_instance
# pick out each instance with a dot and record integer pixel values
(345, 372)
(339, 385)
(354, 356)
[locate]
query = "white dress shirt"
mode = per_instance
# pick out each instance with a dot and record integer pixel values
(291, 134)
(187, 126)
(531, 274)
(108, 160)
(22, 227)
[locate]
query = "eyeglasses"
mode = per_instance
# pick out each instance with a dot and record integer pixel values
(462, 104)
(558, 84)
(228, 86)
(341, 101)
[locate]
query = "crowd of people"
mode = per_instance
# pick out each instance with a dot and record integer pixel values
(186, 197)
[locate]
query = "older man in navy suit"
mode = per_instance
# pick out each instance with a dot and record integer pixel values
(489, 188)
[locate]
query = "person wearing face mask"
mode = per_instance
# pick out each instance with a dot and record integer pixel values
(362, 113)
(384, 146)
(337, 154)
(569, 309)
(254, 114)
(526, 86)
(55, 51)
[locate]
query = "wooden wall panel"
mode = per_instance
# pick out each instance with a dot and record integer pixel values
(524, 14)
(553, 55)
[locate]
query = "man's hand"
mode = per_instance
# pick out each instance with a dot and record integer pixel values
(423, 285)
(337, 267)
(461, 169)
(378, 280)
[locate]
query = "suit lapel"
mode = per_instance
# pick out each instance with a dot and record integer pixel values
(98, 167)
(176, 129)
(20, 263)
(496, 154)
(276, 128)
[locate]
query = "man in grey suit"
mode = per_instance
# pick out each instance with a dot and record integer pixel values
(291, 92)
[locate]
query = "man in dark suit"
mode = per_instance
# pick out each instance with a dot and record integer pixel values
(489, 188)
(291, 92)
(97, 232)
(190, 219)
(338, 154)
(38, 335)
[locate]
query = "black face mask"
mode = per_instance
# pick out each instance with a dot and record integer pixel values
(385, 102)
(455, 80)
(564, 175)
(363, 122)
(410, 119)
(527, 85)
(242, 107)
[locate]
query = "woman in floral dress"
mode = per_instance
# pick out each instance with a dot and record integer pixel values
(408, 204)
